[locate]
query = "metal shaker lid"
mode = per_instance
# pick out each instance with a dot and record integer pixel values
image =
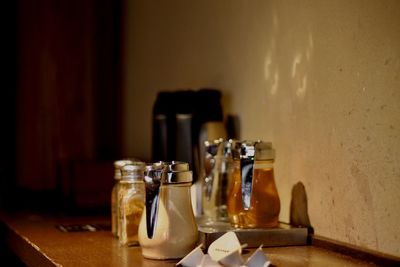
(258, 150)
(177, 166)
(171, 172)
(133, 171)
(264, 151)
(117, 167)
(178, 172)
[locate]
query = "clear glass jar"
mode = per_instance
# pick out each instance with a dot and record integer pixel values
(114, 195)
(216, 181)
(131, 199)
(253, 199)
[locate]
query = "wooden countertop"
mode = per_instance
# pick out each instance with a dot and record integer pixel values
(37, 241)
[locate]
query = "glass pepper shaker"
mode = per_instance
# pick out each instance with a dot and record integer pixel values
(114, 195)
(131, 199)
(253, 199)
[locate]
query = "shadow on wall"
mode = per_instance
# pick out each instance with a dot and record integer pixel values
(299, 208)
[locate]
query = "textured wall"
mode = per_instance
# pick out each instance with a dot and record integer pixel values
(320, 79)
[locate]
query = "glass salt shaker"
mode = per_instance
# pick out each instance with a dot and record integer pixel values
(114, 195)
(131, 199)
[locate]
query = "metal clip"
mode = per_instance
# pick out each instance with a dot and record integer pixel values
(154, 176)
(247, 153)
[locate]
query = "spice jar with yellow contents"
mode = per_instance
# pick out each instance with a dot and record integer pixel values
(253, 200)
(114, 195)
(131, 197)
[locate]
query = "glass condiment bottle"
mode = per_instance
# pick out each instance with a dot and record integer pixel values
(253, 199)
(131, 197)
(168, 229)
(215, 187)
(114, 195)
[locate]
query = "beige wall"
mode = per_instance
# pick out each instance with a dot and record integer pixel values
(320, 79)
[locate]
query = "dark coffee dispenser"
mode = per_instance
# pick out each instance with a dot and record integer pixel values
(172, 126)
(182, 121)
(162, 145)
(184, 126)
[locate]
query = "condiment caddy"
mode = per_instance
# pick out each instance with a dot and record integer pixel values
(239, 198)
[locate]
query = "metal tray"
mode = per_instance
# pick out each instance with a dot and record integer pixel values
(283, 235)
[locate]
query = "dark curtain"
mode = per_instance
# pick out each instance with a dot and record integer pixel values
(66, 111)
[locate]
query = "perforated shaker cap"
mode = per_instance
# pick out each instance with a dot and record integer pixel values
(133, 171)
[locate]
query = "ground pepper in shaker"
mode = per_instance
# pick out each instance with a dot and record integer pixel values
(131, 197)
(114, 195)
